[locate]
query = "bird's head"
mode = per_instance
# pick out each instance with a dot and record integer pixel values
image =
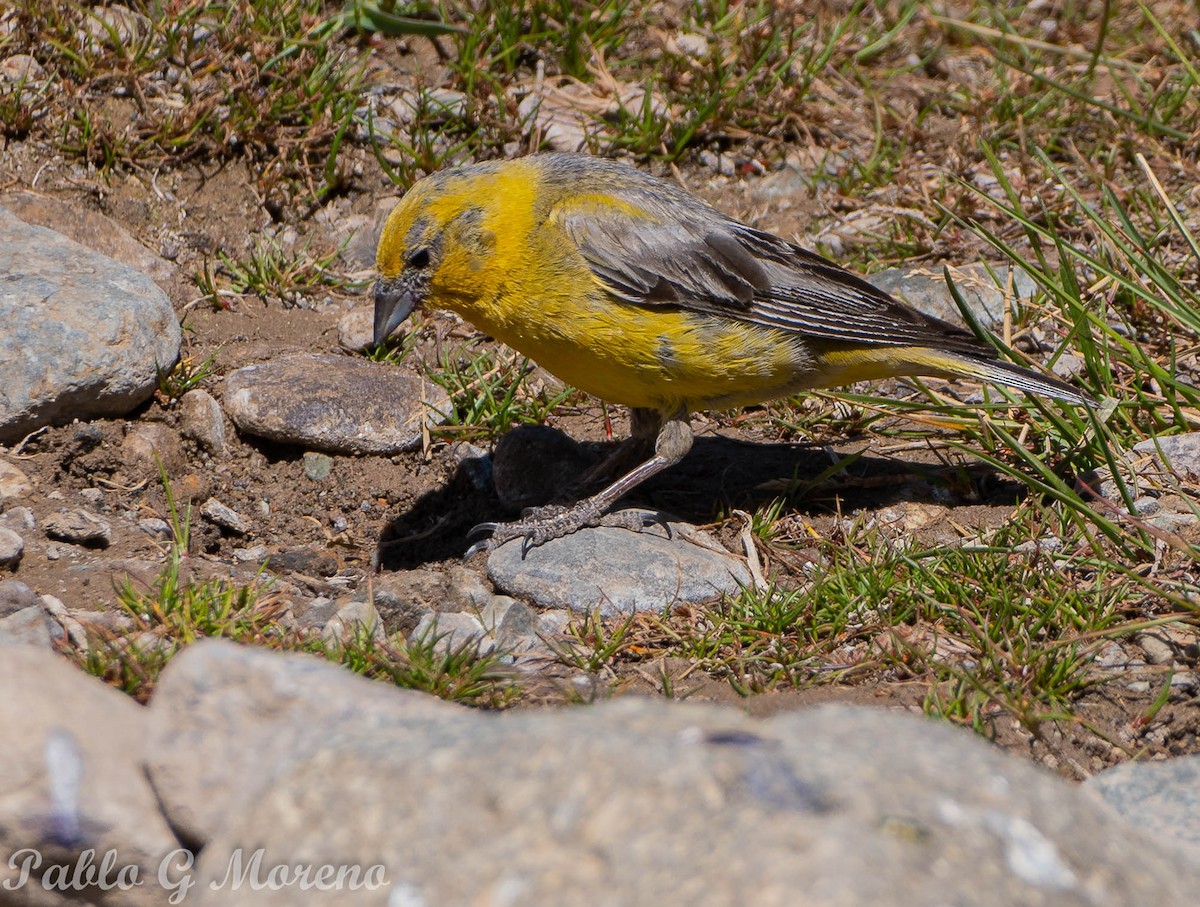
(432, 245)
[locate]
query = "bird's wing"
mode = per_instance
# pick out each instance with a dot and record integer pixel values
(680, 252)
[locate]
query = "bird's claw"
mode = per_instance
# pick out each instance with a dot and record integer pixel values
(539, 525)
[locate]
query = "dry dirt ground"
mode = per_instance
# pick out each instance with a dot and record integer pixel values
(185, 213)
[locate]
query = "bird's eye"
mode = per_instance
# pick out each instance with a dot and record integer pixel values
(419, 259)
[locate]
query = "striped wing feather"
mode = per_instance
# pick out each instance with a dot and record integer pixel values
(659, 246)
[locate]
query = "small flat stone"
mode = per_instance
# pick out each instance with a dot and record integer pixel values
(619, 571)
(80, 527)
(155, 528)
(254, 554)
(317, 466)
(334, 404)
(226, 517)
(405, 596)
(18, 519)
(309, 560)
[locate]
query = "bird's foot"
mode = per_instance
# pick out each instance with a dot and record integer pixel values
(539, 525)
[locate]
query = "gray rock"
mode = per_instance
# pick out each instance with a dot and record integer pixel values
(12, 547)
(333, 403)
(644, 801)
(71, 779)
(225, 517)
(1159, 797)
(201, 420)
(18, 519)
(89, 228)
(1179, 454)
(79, 527)
(57, 613)
(513, 624)
(351, 620)
(253, 554)
(27, 627)
(14, 484)
(453, 630)
(402, 598)
(16, 596)
(80, 334)
(619, 571)
(225, 719)
(926, 290)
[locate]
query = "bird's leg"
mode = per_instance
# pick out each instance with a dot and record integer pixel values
(541, 524)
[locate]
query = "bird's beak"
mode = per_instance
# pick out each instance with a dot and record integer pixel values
(393, 303)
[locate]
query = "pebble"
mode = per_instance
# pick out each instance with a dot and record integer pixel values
(334, 404)
(201, 420)
(225, 517)
(79, 527)
(14, 484)
(619, 571)
(75, 630)
(155, 528)
(12, 547)
(308, 559)
(317, 466)
(149, 446)
(98, 351)
(356, 329)
(405, 596)
(254, 554)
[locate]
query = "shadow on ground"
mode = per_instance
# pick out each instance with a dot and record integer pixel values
(718, 475)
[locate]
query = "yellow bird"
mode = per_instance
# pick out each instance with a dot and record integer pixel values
(633, 290)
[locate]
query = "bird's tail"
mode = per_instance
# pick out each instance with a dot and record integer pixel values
(997, 371)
